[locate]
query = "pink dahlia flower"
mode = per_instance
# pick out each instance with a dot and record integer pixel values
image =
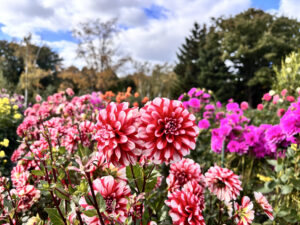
(115, 195)
(28, 195)
(183, 171)
(197, 190)
(244, 213)
(19, 176)
(263, 202)
(184, 208)
(244, 105)
(117, 135)
(223, 183)
(168, 129)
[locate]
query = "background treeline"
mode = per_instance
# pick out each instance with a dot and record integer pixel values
(232, 56)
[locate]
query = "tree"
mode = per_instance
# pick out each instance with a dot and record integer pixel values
(250, 43)
(11, 64)
(254, 41)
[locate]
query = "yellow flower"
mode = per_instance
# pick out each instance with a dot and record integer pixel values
(5, 161)
(2, 154)
(15, 107)
(294, 147)
(17, 116)
(5, 142)
(263, 178)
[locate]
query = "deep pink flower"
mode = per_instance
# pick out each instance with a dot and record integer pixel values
(267, 97)
(244, 214)
(280, 112)
(223, 183)
(264, 204)
(192, 91)
(203, 124)
(38, 98)
(184, 208)
(168, 130)
(244, 105)
(116, 134)
(183, 171)
(115, 195)
(290, 98)
(194, 103)
(260, 107)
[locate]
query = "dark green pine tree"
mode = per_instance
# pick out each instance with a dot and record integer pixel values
(187, 68)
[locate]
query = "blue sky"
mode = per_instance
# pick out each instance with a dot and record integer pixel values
(152, 30)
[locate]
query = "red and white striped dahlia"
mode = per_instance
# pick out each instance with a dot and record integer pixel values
(183, 171)
(244, 213)
(223, 183)
(263, 202)
(116, 134)
(19, 176)
(184, 208)
(197, 190)
(27, 195)
(168, 129)
(115, 195)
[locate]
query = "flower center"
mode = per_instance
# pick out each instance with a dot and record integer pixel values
(109, 206)
(181, 178)
(170, 126)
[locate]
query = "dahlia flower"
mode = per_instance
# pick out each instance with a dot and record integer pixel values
(183, 171)
(264, 204)
(168, 129)
(244, 213)
(197, 190)
(19, 176)
(115, 195)
(223, 183)
(27, 195)
(184, 208)
(116, 134)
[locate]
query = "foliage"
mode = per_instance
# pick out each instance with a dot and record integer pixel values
(249, 43)
(288, 75)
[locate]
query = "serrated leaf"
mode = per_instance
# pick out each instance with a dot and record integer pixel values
(54, 216)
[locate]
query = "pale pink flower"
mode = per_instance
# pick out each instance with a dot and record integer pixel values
(244, 214)
(223, 183)
(263, 202)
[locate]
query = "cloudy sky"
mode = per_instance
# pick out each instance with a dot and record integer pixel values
(153, 29)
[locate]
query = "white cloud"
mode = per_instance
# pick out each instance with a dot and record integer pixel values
(290, 8)
(156, 40)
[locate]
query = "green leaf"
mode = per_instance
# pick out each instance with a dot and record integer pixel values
(138, 175)
(272, 162)
(54, 216)
(61, 193)
(37, 173)
(101, 202)
(90, 212)
(286, 189)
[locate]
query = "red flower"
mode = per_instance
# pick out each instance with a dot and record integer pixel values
(168, 129)
(115, 195)
(263, 202)
(197, 190)
(116, 134)
(27, 195)
(183, 171)
(184, 208)
(223, 183)
(244, 213)
(19, 176)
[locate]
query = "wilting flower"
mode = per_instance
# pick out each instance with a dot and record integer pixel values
(117, 134)
(115, 195)
(244, 213)
(183, 171)
(263, 202)
(184, 208)
(168, 129)
(223, 183)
